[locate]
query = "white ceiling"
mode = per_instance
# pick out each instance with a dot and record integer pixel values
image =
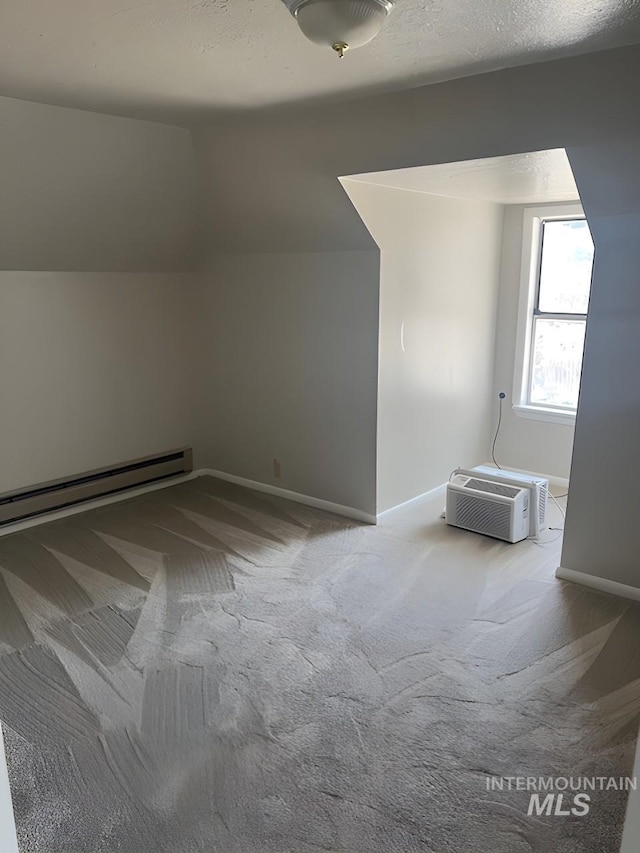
(540, 177)
(177, 58)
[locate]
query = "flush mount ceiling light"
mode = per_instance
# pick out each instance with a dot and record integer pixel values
(340, 24)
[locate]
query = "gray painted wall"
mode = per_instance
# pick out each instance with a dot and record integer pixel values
(289, 351)
(269, 182)
(82, 191)
(602, 533)
(95, 369)
(440, 263)
(8, 840)
(95, 366)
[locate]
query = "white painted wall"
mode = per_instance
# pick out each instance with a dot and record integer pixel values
(95, 369)
(81, 191)
(289, 349)
(538, 446)
(438, 292)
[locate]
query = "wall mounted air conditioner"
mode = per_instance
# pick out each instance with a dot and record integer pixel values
(538, 488)
(485, 506)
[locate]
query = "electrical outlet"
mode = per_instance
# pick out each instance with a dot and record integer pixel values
(276, 469)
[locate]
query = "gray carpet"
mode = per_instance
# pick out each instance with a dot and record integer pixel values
(210, 669)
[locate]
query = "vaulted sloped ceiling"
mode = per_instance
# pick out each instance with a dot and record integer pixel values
(178, 59)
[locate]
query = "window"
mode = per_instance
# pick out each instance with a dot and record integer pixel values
(556, 281)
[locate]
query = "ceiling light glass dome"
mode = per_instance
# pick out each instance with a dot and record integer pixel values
(340, 24)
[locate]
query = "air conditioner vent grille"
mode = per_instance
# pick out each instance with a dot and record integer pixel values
(542, 505)
(483, 516)
(492, 488)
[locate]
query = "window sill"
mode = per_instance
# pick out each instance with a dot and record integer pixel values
(553, 416)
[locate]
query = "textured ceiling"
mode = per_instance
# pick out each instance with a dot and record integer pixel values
(183, 58)
(540, 177)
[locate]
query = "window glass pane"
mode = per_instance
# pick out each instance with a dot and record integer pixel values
(565, 269)
(556, 362)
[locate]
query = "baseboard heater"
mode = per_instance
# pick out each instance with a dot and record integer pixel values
(57, 494)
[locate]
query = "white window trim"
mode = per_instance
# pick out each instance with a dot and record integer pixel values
(531, 231)
(544, 413)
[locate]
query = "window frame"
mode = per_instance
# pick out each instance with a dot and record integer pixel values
(528, 310)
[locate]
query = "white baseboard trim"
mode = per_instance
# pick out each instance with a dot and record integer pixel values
(563, 482)
(307, 500)
(432, 493)
(622, 590)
